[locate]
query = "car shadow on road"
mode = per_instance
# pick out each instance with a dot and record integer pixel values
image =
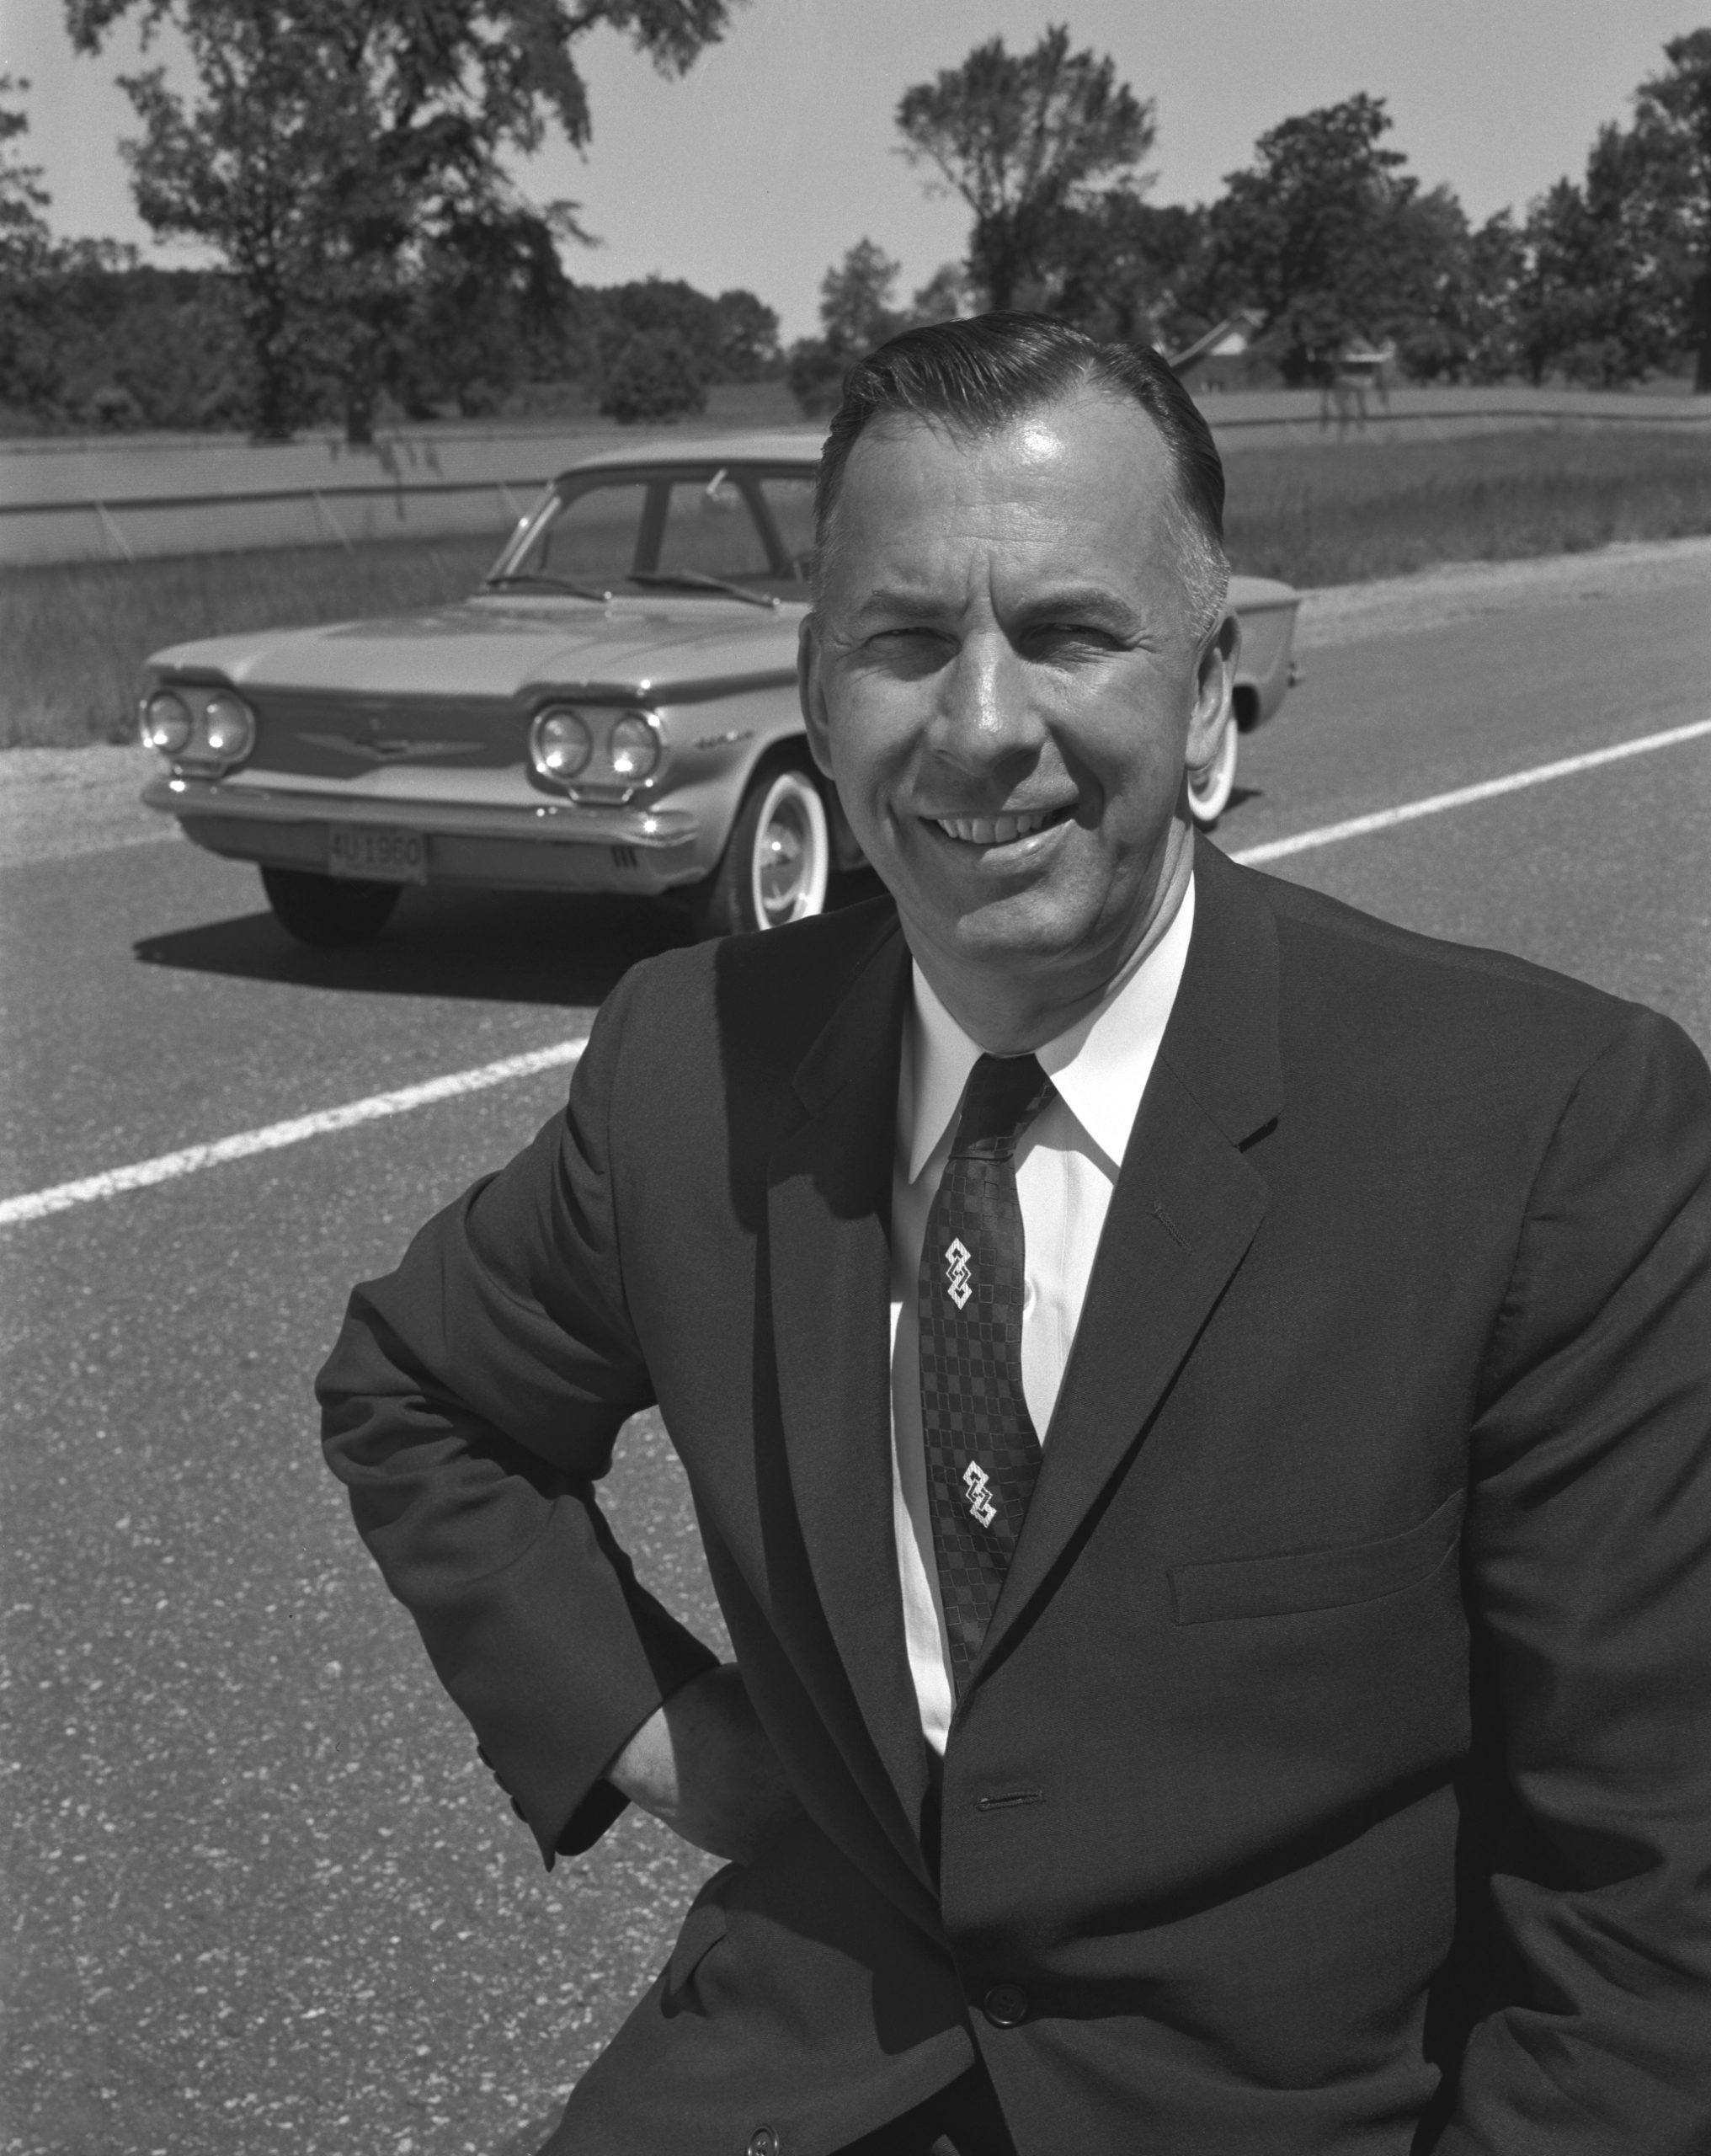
(495, 946)
(498, 947)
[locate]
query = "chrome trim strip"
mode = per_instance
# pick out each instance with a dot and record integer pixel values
(552, 823)
(660, 696)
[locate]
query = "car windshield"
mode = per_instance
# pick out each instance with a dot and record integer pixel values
(717, 526)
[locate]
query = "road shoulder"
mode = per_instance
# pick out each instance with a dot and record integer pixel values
(1453, 592)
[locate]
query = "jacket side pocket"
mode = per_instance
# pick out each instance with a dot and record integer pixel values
(1316, 1579)
(703, 1927)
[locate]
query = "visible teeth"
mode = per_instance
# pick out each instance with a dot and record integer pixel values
(992, 830)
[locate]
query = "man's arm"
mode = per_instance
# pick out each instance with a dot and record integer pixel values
(470, 1403)
(1588, 1555)
(703, 1765)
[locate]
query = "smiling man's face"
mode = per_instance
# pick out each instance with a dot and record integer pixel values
(1004, 677)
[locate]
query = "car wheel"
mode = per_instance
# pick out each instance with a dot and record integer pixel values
(775, 868)
(1210, 788)
(328, 911)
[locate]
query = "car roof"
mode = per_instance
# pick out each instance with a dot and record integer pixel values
(800, 445)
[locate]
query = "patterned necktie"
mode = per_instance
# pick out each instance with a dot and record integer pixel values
(983, 1455)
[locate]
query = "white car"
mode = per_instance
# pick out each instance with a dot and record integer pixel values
(614, 709)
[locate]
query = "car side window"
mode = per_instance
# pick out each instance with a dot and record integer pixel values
(710, 529)
(790, 501)
(594, 535)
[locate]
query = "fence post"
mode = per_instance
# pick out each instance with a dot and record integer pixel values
(330, 521)
(117, 543)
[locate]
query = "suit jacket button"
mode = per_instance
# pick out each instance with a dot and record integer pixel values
(1006, 2004)
(763, 2142)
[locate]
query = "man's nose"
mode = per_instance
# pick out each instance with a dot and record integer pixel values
(984, 711)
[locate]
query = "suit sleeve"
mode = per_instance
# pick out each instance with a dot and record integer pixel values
(1588, 1553)
(470, 1405)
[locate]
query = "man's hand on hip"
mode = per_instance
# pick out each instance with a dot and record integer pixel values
(703, 1765)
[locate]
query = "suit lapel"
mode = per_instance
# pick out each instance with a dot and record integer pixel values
(1186, 1208)
(828, 1207)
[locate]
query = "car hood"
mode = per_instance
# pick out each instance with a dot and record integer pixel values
(498, 647)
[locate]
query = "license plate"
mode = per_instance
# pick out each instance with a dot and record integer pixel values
(374, 851)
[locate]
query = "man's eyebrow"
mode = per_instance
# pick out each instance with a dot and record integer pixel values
(1080, 598)
(910, 606)
(902, 604)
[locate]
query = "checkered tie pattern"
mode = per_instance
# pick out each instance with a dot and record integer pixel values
(983, 1454)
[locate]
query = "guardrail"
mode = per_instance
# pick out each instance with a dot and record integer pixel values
(127, 526)
(396, 504)
(1451, 419)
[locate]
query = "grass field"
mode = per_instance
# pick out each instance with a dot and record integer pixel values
(1314, 514)
(74, 638)
(1348, 513)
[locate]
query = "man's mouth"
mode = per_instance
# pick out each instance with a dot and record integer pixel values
(1000, 831)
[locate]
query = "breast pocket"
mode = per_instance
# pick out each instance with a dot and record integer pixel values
(1298, 1580)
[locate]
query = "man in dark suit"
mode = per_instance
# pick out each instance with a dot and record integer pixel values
(1197, 1402)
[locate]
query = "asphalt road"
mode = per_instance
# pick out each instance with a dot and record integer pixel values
(260, 1896)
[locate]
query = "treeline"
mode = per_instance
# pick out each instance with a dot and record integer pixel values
(376, 260)
(90, 336)
(1324, 244)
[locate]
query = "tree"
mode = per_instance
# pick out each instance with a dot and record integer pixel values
(856, 312)
(1023, 138)
(25, 243)
(945, 296)
(96, 334)
(488, 310)
(387, 125)
(654, 376)
(748, 337)
(1601, 297)
(1329, 240)
(1127, 272)
(1672, 135)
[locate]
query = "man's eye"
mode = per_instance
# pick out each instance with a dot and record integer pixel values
(1054, 635)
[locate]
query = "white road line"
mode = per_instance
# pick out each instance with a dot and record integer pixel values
(1434, 805)
(166, 1166)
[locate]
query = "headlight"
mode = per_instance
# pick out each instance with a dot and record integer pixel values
(228, 727)
(166, 723)
(634, 749)
(560, 744)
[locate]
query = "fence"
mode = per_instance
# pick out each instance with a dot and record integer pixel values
(123, 527)
(122, 500)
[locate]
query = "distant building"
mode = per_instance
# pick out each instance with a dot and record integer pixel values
(1220, 360)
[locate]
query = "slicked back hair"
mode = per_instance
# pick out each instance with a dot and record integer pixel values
(983, 374)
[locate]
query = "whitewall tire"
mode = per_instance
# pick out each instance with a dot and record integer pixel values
(1210, 787)
(777, 863)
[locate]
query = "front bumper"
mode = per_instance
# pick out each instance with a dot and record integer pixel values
(554, 847)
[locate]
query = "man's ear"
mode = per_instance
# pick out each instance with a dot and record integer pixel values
(810, 694)
(1213, 687)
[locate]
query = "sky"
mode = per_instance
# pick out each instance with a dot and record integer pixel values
(778, 150)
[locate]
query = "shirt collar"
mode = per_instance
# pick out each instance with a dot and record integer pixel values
(1099, 1065)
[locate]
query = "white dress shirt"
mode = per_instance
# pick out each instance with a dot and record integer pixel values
(1066, 1168)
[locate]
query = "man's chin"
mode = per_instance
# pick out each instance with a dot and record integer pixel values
(1026, 924)
(1021, 929)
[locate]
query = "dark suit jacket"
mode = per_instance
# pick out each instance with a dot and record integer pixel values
(1337, 1772)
